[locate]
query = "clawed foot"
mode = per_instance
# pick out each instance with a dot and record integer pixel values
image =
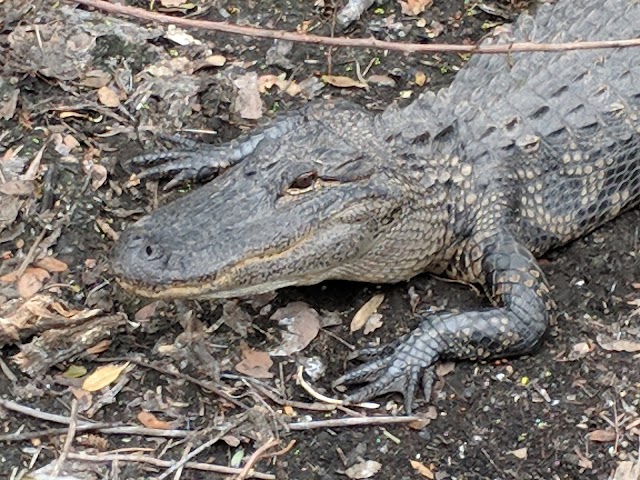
(191, 161)
(398, 367)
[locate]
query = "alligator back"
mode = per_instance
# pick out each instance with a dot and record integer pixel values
(557, 134)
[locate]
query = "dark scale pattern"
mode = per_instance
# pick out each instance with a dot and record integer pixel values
(522, 153)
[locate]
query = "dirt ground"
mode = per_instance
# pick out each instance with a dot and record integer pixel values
(78, 95)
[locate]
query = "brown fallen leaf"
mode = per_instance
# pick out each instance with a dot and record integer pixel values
(108, 97)
(420, 79)
(603, 436)
(96, 79)
(98, 175)
(215, 60)
(102, 377)
(422, 469)
(581, 349)
(149, 420)
(368, 309)
(445, 368)
(373, 323)
(520, 453)
(254, 363)
(248, 103)
(627, 470)
(99, 347)
(425, 418)
(303, 324)
(414, 7)
(382, 80)
(363, 469)
(146, 312)
(18, 188)
(52, 265)
(620, 345)
(290, 87)
(342, 82)
(31, 281)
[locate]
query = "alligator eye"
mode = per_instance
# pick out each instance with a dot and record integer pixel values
(304, 181)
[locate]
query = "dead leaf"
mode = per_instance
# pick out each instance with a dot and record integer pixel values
(424, 418)
(146, 312)
(342, 82)
(290, 87)
(368, 309)
(31, 281)
(382, 80)
(422, 469)
(18, 188)
(181, 37)
(603, 436)
(98, 175)
(420, 78)
(215, 60)
(583, 461)
(374, 322)
(248, 103)
(102, 377)
(96, 79)
(9, 209)
(75, 371)
(106, 229)
(363, 469)
(581, 349)
(414, 7)
(52, 265)
(619, 345)
(149, 420)
(520, 453)
(231, 440)
(8, 103)
(303, 324)
(108, 97)
(99, 347)
(445, 368)
(254, 363)
(628, 470)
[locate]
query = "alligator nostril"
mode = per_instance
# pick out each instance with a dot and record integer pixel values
(152, 251)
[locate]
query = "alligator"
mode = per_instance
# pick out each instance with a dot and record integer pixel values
(522, 153)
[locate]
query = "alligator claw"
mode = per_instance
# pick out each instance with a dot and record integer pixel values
(392, 369)
(188, 163)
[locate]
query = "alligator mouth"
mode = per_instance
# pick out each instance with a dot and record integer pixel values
(204, 290)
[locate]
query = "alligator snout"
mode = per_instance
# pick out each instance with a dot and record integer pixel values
(138, 257)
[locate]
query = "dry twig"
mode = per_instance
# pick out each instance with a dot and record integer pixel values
(206, 467)
(352, 42)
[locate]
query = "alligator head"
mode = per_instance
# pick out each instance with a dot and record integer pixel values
(326, 201)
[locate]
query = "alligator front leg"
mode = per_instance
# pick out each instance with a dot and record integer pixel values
(515, 283)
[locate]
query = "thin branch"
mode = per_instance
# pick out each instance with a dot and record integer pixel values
(71, 435)
(255, 456)
(351, 422)
(166, 463)
(351, 42)
(183, 461)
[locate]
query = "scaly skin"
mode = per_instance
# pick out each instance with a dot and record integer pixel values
(521, 154)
